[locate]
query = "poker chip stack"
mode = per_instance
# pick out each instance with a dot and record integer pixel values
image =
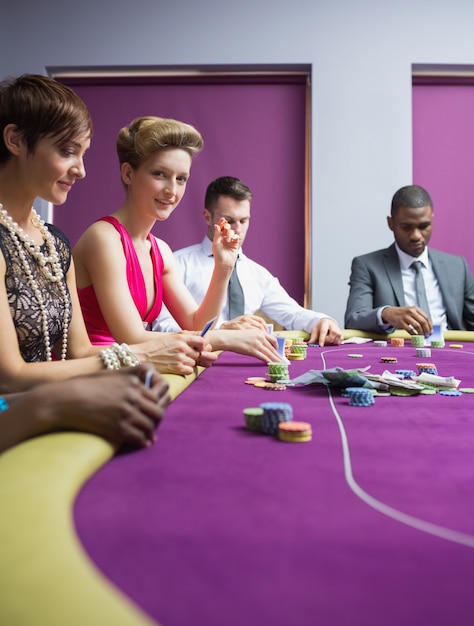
(423, 352)
(418, 341)
(253, 418)
(380, 343)
(278, 371)
(405, 373)
(298, 350)
(276, 418)
(427, 368)
(360, 396)
(295, 432)
(397, 342)
(273, 414)
(437, 343)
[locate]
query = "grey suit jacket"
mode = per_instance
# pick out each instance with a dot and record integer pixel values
(376, 281)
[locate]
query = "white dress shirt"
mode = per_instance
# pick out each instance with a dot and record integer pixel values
(262, 291)
(433, 292)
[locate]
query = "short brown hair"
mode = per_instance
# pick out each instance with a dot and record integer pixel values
(41, 107)
(226, 186)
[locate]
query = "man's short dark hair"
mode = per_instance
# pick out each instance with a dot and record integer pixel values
(410, 197)
(226, 186)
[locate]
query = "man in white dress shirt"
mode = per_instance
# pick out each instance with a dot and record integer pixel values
(228, 197)
(383, 284)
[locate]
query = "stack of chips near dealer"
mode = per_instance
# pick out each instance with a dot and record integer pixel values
(423, 352)
(397, 342)
(418, 341)
(297, 351)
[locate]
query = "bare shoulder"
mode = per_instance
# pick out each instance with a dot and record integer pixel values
(97, 234)
(166, 252)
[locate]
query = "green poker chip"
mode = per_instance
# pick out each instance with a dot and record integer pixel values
(253, 418)
(401, 391)
(467, 390)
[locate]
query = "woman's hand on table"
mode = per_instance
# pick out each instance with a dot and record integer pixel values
(177, 353)
(253, 342)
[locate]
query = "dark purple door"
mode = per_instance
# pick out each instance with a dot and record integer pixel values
(255, 130)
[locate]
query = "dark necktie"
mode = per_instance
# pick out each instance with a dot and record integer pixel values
(235, 295)
(420, 287)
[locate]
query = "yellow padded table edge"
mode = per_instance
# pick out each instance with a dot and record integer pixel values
(46, 578)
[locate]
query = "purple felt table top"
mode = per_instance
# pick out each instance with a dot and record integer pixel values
(369, 524)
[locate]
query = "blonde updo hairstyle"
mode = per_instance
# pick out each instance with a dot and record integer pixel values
(147, 135)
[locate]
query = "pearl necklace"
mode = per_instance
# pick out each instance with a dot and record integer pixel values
(50, 266)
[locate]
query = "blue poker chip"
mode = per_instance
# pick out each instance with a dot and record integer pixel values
(450, 392)
(405, 373)
(360, 396)
(360, 402)
(273, 414)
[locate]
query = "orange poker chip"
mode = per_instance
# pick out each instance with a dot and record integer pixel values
(271, 386)
(253, 380)
(397, 342)
(295, 432)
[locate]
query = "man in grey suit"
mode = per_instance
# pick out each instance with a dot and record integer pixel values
(408, 286)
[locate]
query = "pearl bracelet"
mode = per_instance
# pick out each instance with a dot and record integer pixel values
(127, 357)
(117, 356)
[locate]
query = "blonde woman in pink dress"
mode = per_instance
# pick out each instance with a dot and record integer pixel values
(124, 272)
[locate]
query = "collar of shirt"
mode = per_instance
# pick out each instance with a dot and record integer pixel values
(406, 260)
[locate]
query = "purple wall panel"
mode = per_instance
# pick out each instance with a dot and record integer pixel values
(443, 161)
(253, 131)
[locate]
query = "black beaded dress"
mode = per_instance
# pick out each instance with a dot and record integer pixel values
(24, 306)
